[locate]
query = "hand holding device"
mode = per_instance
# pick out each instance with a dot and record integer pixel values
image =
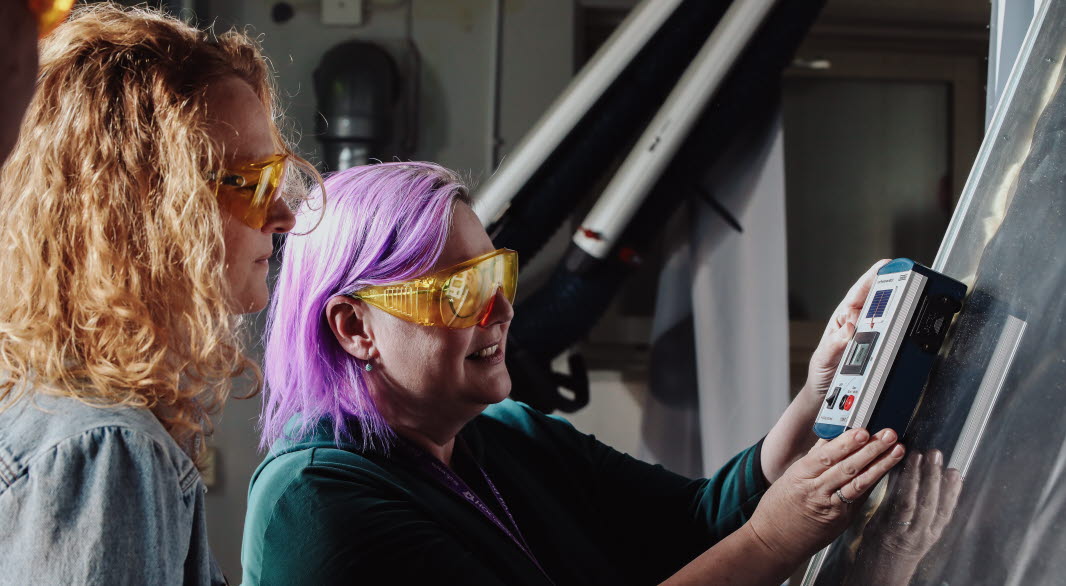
(839, 331)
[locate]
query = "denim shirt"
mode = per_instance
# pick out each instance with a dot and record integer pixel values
(98, 496)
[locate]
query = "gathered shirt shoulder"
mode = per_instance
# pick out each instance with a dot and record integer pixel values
(93, 495)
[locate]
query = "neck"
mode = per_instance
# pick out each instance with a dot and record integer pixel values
(438, 447)
(432, 427)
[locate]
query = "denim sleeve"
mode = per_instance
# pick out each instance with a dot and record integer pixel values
(103, 507)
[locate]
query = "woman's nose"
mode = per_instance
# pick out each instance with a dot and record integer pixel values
(280, 219)
(500, 312)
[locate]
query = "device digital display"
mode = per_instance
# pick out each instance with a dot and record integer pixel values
(878, 304)
(862, 348)
(859, 355)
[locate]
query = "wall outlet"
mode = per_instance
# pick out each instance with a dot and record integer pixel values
(342, 12)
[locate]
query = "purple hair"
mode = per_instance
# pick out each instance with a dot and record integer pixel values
(383, 223)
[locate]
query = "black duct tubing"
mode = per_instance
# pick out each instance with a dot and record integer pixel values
(751, 93)
(607, 131)
(569, 305)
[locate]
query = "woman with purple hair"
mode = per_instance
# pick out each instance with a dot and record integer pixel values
(396, 457)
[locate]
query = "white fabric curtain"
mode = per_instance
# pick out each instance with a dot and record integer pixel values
(720, 342)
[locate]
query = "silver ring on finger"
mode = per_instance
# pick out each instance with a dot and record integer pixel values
(843, 498)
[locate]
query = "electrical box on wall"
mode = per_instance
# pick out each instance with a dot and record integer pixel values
(342, 12)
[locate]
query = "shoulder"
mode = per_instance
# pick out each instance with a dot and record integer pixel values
(521, 416)
(43, 434)
(289, 475)
(318, 500)
(518, 419)
(287, 480)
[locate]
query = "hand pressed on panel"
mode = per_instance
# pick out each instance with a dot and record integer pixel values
(818, 496)
(921, 500)
(919, 503)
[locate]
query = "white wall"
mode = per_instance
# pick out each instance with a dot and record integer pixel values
(615, 410)
(454, 37)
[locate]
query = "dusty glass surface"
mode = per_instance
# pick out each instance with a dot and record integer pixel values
(995, 406)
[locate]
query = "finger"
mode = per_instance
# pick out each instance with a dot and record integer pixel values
(840, 340)
(850, 308)
(824, 457)
(907, 497)
(893, 489)
(950, 489)
(850, 467)
(873, 473)
(929, 494)
(856, 296)
(827, 356)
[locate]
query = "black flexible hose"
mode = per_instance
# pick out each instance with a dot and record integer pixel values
(574, 299)
(608, 129)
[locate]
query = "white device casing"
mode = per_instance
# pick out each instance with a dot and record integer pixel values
(889, 330)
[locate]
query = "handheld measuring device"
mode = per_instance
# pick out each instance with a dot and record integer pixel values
(900, 329)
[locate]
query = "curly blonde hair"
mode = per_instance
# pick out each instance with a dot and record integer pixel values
(111, 272)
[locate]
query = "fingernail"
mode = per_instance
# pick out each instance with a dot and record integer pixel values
(888, 436)
(897, 451)
(862, 436)
(938, 458)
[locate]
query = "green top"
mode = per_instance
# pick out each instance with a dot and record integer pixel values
(323, 514)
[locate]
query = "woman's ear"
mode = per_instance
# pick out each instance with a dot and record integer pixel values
(346, 318)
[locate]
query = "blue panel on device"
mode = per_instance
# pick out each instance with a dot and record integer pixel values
(878, 304)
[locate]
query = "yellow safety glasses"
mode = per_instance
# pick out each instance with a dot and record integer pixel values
(457, 297)
(249, 191)
(49, 13)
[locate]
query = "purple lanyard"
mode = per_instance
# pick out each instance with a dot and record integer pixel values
(451, 480)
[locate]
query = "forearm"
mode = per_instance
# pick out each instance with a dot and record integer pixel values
(791, 437)
(740, 559)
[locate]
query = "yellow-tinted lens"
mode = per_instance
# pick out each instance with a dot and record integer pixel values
(458, 297)
(464, 295)
(269, 178)
(467, 295)
(250, 191)
(509, 276)
(50, 13)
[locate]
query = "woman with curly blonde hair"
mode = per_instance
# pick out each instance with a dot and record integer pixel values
(137, 210)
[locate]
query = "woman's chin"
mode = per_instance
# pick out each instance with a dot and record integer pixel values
(252, 299)
(499, 390)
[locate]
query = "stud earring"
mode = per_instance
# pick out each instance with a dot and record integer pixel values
(368, 367)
